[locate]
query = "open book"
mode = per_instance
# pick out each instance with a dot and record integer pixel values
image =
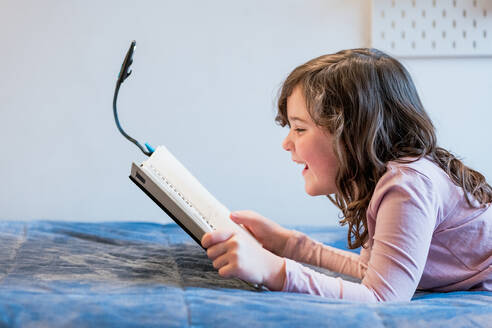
(168, 183)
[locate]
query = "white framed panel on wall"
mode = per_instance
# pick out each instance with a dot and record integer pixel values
(425, 28)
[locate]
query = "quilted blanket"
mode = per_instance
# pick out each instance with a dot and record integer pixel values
(123, 274)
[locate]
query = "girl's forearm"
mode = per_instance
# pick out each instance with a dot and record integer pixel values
(303, 249)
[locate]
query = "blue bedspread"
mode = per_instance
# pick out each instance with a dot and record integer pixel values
(59, 274)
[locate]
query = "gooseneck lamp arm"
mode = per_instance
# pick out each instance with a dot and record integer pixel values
(124, 73)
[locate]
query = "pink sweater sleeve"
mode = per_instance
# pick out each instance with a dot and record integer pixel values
(403, 211)
(301, 248)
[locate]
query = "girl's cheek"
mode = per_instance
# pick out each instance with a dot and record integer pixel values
(303, 150)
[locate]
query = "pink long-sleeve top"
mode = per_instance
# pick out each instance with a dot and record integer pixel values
(422, 235)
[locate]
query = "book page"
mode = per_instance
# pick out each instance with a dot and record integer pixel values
(190, 189)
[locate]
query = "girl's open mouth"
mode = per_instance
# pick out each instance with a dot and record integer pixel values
(305, 169)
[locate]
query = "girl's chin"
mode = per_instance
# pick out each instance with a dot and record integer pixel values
(314, 191)
(311, 191)
(311, 194)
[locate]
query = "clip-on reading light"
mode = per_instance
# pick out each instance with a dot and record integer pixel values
(124, 73)
(172, 187)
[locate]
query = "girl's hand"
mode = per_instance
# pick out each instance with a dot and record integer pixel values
(268, 233)
(236, 256)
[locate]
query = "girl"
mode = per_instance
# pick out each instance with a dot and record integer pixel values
(422, 217)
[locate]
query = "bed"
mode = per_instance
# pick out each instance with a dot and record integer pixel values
(128, 274)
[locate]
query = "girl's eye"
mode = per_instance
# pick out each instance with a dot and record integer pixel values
(298, 130)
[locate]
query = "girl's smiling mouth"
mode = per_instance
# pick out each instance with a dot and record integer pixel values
(306, 167)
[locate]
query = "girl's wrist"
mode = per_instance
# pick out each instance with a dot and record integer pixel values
(275, 278)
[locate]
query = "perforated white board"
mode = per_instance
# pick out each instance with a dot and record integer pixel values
(422, 28)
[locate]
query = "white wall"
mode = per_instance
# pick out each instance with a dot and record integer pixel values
(204, 81)
(457, 93)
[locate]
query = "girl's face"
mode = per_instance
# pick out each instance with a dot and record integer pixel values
(310, 146)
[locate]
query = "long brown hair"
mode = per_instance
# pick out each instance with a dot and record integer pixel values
(368, 101)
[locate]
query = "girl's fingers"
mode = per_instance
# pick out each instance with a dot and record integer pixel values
(216, 250)
(221, 261)
(212, 238)
(227, 271)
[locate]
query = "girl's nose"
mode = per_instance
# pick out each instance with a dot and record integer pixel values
(287, 143)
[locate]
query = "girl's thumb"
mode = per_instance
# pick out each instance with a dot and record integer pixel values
(236, 217)
(242, 221)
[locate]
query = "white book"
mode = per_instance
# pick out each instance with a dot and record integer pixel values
(166, 181)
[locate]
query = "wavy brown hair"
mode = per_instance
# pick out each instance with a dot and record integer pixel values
(368, 101)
